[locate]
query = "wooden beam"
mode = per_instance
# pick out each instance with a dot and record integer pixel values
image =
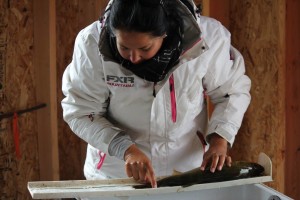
(45, 68)
(205, 7)
(292, 154)
(281, 84)
(219, 9)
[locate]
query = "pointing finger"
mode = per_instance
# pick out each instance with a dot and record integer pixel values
(151, 176)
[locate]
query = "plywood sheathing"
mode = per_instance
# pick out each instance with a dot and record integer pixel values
(18, 93)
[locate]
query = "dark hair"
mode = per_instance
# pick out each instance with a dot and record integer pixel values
(156, 17)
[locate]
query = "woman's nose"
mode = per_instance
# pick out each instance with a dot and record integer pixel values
(135, 57)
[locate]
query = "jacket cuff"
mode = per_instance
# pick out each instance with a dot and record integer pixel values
(227, 131)
(119, 144)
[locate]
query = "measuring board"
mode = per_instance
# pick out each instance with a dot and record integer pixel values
(123, 187)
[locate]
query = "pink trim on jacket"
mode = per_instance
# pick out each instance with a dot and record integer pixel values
(173, 98)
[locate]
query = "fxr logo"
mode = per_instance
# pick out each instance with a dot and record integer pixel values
(117, 79)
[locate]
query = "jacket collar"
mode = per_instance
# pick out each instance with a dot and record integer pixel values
(192, 32)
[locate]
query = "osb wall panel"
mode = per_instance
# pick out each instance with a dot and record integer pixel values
(17, 92)
(257, 28)
(72, 16)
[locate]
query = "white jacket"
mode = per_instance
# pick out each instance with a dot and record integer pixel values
(103, 98)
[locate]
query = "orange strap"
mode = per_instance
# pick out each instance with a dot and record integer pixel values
(16, 135)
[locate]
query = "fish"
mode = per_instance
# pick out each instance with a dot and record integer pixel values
(237, 170)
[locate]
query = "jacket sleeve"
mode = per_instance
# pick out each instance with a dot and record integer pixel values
(86, 94)
(227, 86)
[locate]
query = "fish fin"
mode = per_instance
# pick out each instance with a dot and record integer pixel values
(175, 172)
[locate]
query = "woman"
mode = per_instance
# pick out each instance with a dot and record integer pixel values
(135, 91)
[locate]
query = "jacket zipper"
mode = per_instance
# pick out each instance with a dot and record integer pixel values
(154, 92)
(173, 98)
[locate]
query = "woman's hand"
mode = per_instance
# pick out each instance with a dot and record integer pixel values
(138, 166)
(216, 154)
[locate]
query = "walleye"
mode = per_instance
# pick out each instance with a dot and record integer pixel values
(238, 170)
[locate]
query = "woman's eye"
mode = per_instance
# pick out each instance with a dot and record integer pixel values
(124, 48)
(146, 49)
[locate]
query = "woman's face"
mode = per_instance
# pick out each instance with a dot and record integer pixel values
(137, 47)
